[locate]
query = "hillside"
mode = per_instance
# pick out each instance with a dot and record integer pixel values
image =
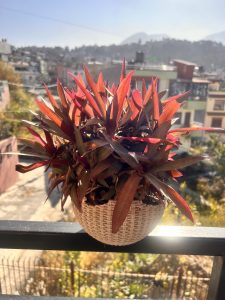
(207, 53)
(142, 38)
(216, 37)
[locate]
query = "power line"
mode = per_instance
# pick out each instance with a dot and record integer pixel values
(58, 21)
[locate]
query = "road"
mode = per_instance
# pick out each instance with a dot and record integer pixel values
(25, 201)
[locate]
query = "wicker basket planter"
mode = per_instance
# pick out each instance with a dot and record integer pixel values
(141, 219)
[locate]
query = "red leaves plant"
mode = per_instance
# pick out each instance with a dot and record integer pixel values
(103, 141)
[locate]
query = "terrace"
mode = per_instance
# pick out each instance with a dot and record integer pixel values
(183, 240)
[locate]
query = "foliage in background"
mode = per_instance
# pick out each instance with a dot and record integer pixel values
(18, 109)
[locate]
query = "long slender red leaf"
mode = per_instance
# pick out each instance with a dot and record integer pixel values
(123, 70)
(100, 84)
(178, 164)
(122, 93)
(155, 101)
(50, 144)
(49, 113)
(54, 117)
(124, 198)
(89, 97)
(51, 98)
(168, 112)
(140, 139)
(188, 129)
(137, 98)
(177, 97)
(148, 95)
(94, 89)
(61, 94)
(37, 137)
(170, 193)
(144, 89)
(24, 169)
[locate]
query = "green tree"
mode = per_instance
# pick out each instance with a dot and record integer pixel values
(20, 104)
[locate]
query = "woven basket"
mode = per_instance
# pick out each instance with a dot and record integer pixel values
(141, 219)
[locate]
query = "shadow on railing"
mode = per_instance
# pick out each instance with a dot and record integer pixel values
(163, 240)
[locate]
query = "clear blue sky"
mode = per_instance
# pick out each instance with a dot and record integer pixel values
(77, 22)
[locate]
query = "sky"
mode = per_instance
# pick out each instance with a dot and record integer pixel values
(87, 22)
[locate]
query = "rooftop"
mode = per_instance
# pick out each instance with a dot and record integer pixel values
(185, 62)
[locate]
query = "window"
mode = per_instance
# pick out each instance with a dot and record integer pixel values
(219, 105)
(216, 122)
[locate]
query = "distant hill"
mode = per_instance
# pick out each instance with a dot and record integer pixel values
(206, 53)
(216, 37)
(143, 37)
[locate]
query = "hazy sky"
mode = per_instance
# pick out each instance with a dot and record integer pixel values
(78, 22)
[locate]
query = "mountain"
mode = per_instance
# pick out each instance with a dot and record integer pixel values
(216, 37)
(143, 37)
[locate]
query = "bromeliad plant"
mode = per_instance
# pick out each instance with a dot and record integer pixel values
(106, 142)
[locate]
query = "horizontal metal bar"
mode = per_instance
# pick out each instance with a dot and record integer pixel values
(15, 297)
(188, 240)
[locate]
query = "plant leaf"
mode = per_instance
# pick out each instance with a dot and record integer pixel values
(123, 153)
(155, 101)
(141, 139)
(170, 193)
(123, 200)
(178, 164)
(143, 90)
(89, 97)
(61, 94)
(94, 89)
(79, 141)
(51, 98)
(122, 93)
(123, 70)
(168, 112)
(187, 130)
(100, 84)
(137, 98)
(37, 136)
(24, 169)
(100, 167)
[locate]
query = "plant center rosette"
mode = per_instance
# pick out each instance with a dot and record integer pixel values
(111, 149)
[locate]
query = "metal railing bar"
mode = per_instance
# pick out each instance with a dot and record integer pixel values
(188, 240)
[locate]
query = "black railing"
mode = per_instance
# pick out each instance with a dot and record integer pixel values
(163, 240)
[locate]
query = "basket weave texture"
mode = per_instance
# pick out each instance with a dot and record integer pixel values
(141, 219)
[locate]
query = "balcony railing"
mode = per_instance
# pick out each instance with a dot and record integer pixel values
(184, 240)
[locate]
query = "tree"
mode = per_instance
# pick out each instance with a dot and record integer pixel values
(20, 103)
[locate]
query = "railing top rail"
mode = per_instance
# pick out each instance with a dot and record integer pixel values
(190, 240)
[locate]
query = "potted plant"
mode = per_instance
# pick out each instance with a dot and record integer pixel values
(111, 149)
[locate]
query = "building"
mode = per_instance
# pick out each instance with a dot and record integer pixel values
(215, 109)
(28, 72)
(5, 50)
(4, 94)
(193, 112)
(8, 174)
